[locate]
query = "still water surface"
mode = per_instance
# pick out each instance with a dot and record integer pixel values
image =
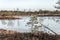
(21, 24)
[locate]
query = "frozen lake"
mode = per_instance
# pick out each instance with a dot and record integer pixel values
(20, 25)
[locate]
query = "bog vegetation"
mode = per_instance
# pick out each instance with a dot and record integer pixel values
(35, 35)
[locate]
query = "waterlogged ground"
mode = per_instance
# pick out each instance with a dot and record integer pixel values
(21, 24)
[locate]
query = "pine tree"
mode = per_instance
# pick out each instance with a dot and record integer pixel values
(58, 7)
(34, 22)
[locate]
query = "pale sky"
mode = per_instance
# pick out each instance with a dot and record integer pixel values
(27, 4)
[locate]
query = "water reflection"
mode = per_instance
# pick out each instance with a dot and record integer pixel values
(3, 22)
(7, 22)
(10, 23)
(20, 25)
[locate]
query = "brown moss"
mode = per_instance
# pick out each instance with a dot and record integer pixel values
(10, 35)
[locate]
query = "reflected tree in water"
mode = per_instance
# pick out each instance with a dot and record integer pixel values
(18, 23)
(3, 22)
(10, 23)
(56, 19)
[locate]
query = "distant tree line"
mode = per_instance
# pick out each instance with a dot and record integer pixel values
(15, 13)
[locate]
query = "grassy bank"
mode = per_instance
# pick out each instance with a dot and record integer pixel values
(10, 35)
